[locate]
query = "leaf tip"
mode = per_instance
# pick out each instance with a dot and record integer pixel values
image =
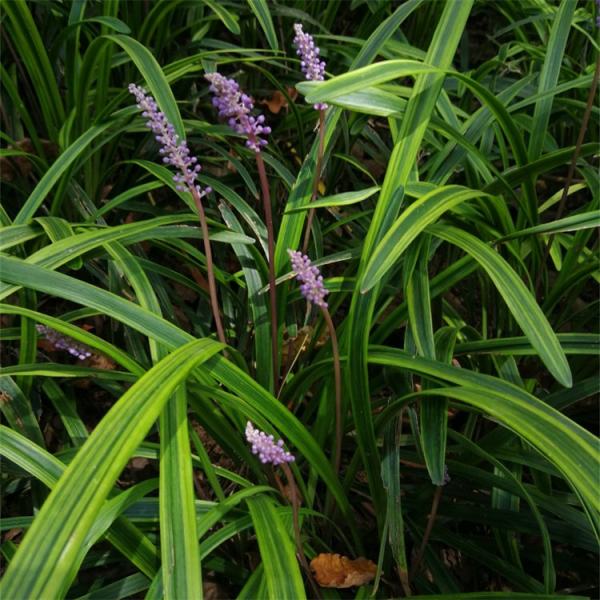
(565, 378)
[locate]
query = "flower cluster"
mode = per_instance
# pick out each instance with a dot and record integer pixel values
(235, 106)
(265, 446)
(175, 153)
(312, 66)
(312, 287)
(62, 342)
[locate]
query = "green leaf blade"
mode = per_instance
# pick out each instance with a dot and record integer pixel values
(524, 308)
(44, 564)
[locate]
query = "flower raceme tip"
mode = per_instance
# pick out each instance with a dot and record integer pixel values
(310, 277)
(174, 152)
(268, 451)
(310, 63)
(236, 107)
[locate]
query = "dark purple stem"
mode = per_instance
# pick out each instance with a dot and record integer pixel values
(338, 389)
(430, 521)
(571, 172)
(212, 288)
(266, 194)
(296, 520)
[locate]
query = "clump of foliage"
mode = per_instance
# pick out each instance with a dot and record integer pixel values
(367, 327)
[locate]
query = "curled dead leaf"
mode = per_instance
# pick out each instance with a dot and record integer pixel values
(278, 101)
(336, 571)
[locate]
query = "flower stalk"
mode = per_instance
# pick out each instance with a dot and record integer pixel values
(314, 70)
(271, 452)
(314, 290)
(266, 195)
(212, 287)
(236, 107)
(177, 154)
(295, 500)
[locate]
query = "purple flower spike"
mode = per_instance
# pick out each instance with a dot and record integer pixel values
(265, 446)
(312, 66)
(235, 107)
(174, 152)
(62, 342)
(312, 287)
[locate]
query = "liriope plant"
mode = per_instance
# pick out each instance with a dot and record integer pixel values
(433, 415)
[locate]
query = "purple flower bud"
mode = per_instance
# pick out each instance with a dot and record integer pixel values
(312, 287)
(265, 446)
(235, 106)
(312, 67)
(175, 153)
(63, 342)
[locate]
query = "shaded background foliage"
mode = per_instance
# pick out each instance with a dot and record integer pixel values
(457, 232)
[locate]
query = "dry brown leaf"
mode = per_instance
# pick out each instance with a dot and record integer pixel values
(11, 534)
(336, 571)
(279, 101)
(211, 590)
(138, 463)
(276, 102)
(100, 361)
(292, 346)
(45, 345)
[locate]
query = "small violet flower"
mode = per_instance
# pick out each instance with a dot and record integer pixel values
(265, 446)
(312, 287)
(235, 106)
(175, 153)
(62, 342)
(312, 66)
